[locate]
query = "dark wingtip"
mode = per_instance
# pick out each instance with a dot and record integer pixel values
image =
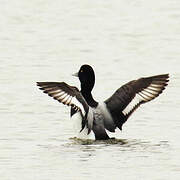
(38, 83)
(167, 79)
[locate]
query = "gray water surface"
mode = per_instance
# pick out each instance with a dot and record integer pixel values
(123, 40)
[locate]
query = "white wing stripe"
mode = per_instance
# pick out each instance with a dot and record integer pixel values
(151, 91)
(49, 88)
(68, 102)
(154, 89)
(54, 94)
(137, 99)
(61, 93)
(64, 98)
(146, 94)
(54, 91)
(145, 98)
(78, 104)
(156, 85)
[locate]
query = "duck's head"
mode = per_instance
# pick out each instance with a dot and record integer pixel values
(86, 76)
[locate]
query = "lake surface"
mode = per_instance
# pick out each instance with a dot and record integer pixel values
(123, 40)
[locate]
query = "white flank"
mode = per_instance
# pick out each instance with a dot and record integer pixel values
(77, 126)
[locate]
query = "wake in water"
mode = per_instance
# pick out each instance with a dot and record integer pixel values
(126, 144)
(76, 140)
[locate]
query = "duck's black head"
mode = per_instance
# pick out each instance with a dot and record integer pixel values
(87, 78)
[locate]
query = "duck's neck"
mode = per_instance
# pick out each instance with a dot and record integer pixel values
(89, 99)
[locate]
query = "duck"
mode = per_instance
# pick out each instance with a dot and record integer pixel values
(99, 118)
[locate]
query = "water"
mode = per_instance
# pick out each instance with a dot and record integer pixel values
(122, 40)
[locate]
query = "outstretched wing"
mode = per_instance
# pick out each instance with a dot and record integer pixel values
(68, 95)
(131, 95)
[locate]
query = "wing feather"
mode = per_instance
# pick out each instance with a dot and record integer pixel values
(131, 95)
(68, 95)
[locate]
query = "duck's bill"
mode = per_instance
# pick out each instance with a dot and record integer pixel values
(75, 74)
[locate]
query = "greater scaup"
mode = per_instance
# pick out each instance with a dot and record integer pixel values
(112, 113)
